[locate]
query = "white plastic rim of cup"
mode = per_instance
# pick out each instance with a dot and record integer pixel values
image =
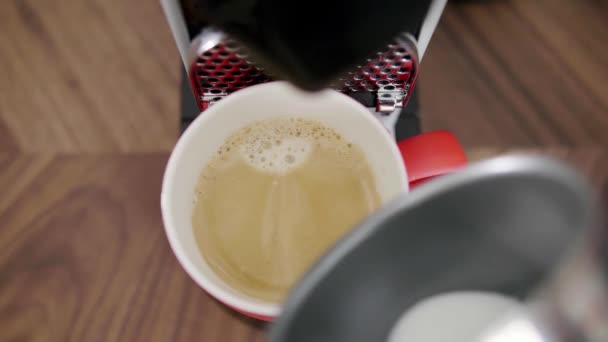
(201, 140)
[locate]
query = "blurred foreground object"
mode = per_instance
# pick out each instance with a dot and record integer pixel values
(522, 227)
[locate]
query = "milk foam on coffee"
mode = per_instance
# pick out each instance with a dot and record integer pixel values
(278, 193)
(277, 154)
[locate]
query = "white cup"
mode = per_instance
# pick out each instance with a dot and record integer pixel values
(207, 133)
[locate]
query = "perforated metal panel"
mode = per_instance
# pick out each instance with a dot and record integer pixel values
(220, 67)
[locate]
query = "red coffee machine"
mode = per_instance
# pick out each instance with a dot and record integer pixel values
(371, 52)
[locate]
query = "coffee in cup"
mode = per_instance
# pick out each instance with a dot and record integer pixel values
(275, 196)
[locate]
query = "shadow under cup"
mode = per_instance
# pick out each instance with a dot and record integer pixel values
(207, 133)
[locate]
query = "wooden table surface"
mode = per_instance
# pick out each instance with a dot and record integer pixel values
(89, 112)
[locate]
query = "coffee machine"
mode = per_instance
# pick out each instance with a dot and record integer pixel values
(370, 52)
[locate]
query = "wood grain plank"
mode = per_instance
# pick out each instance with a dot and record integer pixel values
(491, 74)
(84, 257)
(7, 141)
(525, 68)
(477, 112)
(88, 76)
(577, 30)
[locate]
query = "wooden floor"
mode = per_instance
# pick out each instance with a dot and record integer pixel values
(89, 111)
